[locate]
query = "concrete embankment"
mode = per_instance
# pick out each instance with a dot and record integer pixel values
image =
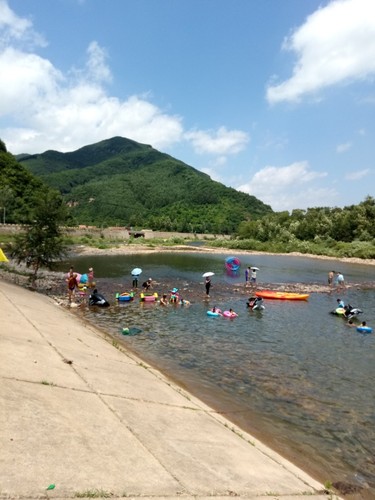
(84, 417)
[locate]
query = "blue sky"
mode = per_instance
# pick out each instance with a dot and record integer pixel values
(275, 98)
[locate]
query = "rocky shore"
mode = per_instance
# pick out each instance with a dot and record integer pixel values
(53, 283)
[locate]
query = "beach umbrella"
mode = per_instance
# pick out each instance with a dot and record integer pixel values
(255, 268)
(209, 273)
(136, 271)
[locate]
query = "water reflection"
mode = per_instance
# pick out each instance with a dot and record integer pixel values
(292, 373)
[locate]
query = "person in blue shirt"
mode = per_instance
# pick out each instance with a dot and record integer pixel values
(340, 281)
(340, 303)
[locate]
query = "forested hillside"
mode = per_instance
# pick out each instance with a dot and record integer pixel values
(354, 222)
(341, 232)
(122, 182)
(18, 189)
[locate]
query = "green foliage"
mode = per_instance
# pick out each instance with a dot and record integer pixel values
(346, 232)
(122, 182)
(18, 188)
(358, 249)
(42, 242)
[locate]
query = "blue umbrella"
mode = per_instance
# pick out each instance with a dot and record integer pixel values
(136, 271)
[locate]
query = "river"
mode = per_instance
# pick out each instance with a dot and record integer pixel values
(293, 375)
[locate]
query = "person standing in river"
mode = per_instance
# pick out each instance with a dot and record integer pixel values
(207, 284)
(253, 276)
(135, 281)
(247, 275)
(340, 281)
(72, 284)
(331, 275)
(90, 281)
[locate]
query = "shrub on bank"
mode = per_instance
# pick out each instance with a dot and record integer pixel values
(330, 248)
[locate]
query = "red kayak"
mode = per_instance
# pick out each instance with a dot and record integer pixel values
(271, 294)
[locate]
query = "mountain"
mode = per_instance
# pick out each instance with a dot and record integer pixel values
(122, 182)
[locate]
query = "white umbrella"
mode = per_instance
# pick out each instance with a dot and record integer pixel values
(209, 273)
(136, 271)
(255, 268)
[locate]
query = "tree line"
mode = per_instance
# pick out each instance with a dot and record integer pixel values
(355, 222)
(339, 232)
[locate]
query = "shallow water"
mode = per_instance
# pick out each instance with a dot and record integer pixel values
(293, 375)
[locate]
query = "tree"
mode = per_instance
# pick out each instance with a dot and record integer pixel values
(6, 196)
(42, 242)
(18, 188)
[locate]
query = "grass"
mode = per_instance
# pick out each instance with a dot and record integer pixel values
(93, 494)
(337, 249)
(115, 344)
(45, 382)
(329, 248)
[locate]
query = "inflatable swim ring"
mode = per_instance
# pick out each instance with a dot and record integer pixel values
(133, 330)
(364, 329)
(339, 311)
(124, 297)
(214, 314)
(84, 279)
(232, 264)
(148, 297)
(229, 314)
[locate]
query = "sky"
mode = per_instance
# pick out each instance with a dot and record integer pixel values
(275, 98)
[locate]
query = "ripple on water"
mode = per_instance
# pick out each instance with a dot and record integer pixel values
(307, 374)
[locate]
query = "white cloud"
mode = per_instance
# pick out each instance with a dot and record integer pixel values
(45, 109)
(85, 114)
(355, 176)
(96, 63)
(26, 81)
(276, 177)
(289, 187)
(336, 44)
(42, 108)
(16, 29)
(341, 148)
(221, 142)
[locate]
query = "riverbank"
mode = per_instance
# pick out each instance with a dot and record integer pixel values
(82, 417)
(53, 283)
(199, 297)
(132, 249)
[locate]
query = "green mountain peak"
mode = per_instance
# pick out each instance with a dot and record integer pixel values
(119, 181)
